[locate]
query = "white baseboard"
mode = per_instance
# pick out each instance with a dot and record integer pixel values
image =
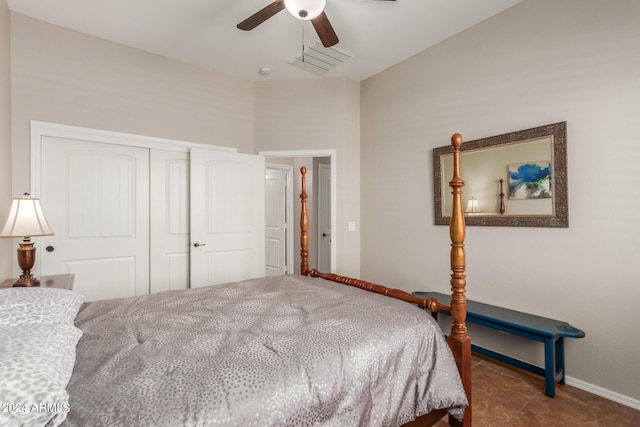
(603, 392)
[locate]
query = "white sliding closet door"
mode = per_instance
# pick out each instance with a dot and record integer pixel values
(227, 217)
(169, 216)
(96, 199)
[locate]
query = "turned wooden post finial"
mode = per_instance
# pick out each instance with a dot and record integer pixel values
(456, 140)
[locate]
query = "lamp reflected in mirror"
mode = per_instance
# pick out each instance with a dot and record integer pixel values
(26, 220)
(472, 207)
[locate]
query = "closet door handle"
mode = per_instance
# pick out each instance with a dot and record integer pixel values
(198, 244)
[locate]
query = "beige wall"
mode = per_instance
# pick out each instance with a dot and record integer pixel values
(539, 62)
(318, 114)
(67, 77)
(7, 257)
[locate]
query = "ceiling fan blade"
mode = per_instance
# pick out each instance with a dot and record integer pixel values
(325, 31)
(260, 16)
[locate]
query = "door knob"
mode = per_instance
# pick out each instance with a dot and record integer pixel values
(324, 234)
(49, 249)
(198, 244)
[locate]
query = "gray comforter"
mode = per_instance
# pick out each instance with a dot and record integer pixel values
(282, 351)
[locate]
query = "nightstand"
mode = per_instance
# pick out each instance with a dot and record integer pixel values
(64, 281)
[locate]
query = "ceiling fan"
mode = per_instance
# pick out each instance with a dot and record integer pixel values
(307, 10)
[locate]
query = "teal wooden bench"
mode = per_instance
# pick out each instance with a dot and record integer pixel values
(548, 331)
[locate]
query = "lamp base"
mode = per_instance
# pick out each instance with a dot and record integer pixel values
(26, 281)
(26, 259)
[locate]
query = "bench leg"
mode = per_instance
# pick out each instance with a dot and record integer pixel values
(560, 358)
(549, 367)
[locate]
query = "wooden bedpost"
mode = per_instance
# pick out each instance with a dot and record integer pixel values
(458, 340)
(304, 226)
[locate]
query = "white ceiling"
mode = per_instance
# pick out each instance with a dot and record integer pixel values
(378, 34)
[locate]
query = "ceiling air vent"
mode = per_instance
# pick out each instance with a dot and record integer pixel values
(319, 59)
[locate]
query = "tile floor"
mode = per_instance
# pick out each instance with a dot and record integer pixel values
(506, 396)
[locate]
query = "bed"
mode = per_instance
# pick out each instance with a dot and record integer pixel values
(279, 351)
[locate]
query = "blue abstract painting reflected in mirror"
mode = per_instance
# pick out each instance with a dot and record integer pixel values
(531, 180)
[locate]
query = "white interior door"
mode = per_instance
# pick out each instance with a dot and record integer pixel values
(96, 198)
(227, 217)
(324, 217)
(275, 217)
(169, 216)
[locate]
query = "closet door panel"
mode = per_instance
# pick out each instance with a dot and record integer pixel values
(96, 199)
(169, 220)
(227, 217)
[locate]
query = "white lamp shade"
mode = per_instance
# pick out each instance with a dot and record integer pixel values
(26, 219)
(305, 9)
(472, 206)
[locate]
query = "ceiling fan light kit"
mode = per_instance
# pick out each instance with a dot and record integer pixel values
(305, 9)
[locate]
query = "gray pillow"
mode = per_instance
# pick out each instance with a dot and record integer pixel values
(38, 305)
(37, 354)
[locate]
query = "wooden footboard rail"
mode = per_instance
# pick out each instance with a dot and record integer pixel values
(430, 304)
(458, 340)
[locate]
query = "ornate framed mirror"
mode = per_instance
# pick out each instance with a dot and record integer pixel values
(516, 179)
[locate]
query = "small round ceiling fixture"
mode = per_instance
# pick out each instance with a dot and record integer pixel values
(305, 9)
(264, 71)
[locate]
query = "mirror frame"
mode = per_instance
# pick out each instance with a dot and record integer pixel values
(560, 215)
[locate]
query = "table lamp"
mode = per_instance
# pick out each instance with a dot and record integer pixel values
(472, 207)
(26, 220)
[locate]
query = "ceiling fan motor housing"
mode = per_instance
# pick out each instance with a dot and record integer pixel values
(305, 9)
